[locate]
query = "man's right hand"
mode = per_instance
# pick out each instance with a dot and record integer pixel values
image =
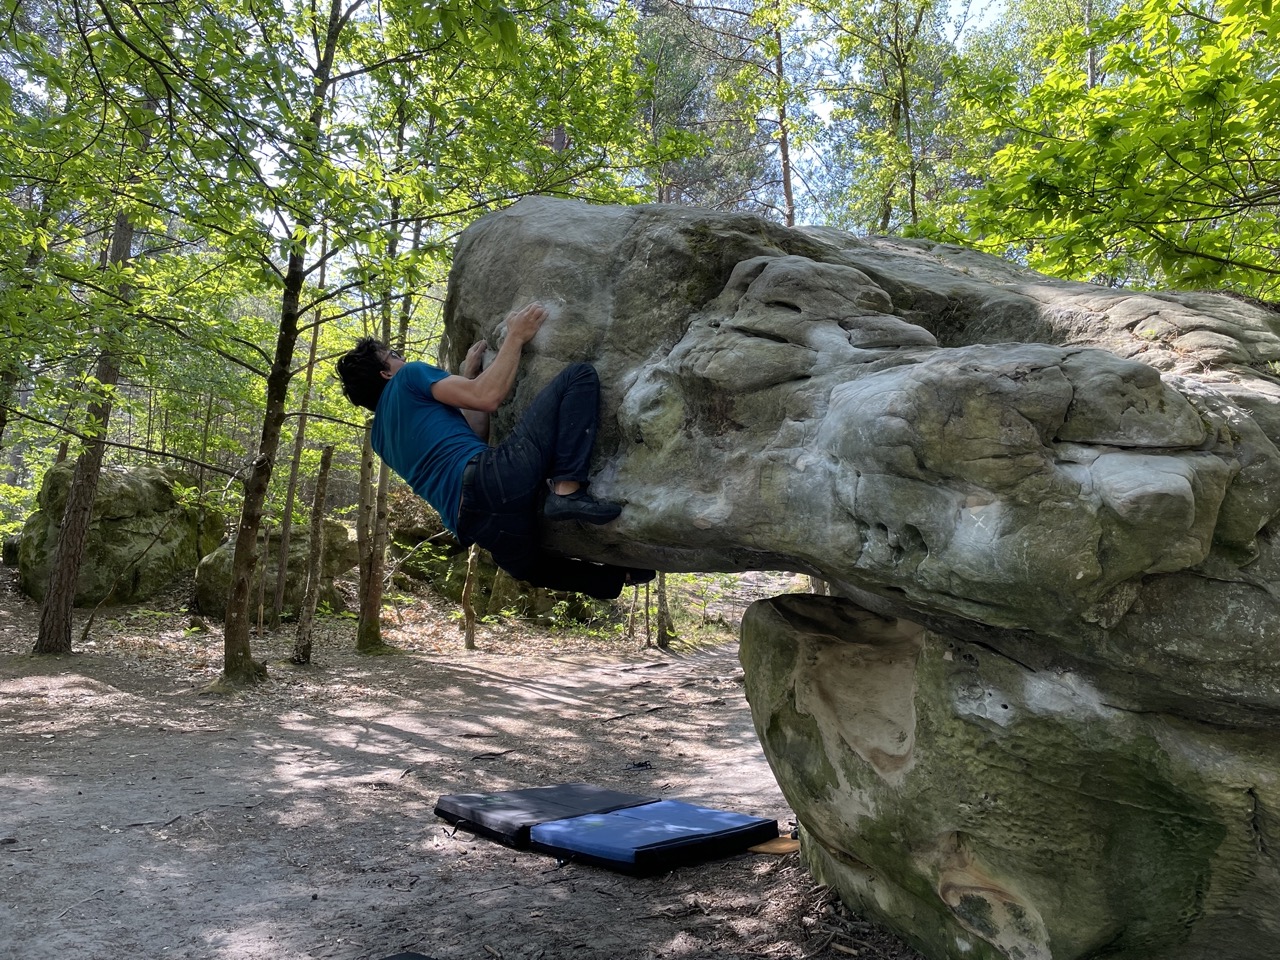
(491, 385)
(522, 324)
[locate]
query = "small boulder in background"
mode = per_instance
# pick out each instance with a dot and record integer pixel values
(213, 576)
(141, 536)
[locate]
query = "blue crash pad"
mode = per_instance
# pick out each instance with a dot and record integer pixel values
(652, 837)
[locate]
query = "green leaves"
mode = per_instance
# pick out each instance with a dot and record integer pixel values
(1165, 171)
(481, 25)
(889, 143)
(242, 137)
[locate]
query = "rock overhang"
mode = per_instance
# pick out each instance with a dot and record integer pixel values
(956, 439)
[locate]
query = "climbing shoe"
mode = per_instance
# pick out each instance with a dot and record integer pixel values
(580, 505)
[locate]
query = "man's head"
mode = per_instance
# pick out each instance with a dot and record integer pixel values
(365, 369)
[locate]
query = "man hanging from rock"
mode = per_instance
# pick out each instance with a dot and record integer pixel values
(432, 429)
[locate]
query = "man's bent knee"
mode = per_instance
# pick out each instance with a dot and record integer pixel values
(580, 371)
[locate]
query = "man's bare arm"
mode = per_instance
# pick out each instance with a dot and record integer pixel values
(471, 367)
(487, 391)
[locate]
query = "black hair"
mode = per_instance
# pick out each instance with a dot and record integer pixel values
(360, 370)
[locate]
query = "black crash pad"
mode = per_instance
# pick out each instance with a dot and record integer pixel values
(508, 815)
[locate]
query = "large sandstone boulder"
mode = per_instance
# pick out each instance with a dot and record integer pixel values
(140, 537)
(992, 811)
(213, 576)
(1060, 498)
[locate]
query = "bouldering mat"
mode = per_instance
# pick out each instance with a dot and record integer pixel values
(507, 816)
(651, 838)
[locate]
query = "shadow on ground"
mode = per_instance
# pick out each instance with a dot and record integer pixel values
(139, 819)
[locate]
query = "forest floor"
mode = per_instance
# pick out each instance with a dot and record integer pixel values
(141, 818)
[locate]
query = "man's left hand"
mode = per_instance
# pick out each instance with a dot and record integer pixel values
(474, 362)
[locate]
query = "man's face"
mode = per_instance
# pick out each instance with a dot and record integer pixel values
(391, 363)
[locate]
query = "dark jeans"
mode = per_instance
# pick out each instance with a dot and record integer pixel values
(503, 487)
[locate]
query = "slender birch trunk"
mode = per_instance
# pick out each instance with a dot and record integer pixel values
(315, 558)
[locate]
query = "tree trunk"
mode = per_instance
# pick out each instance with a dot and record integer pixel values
(238, 665)
(262, 580)
(784, 134)
(369, 629)
(373, 503)
(374, 511)
(8, 390)
(286, 519)
(1091, 63)
(648, 625)
(55, 614)
(54, 635)
(366, 512)
(371, 522)
(204, 458)
(468, 591)
(315, 555)
(666, 627)
(365, 507)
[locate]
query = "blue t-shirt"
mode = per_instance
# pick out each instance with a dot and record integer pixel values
(423, 440)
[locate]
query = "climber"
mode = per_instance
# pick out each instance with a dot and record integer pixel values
(432, 429)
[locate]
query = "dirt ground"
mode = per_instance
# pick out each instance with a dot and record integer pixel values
(140, 818)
